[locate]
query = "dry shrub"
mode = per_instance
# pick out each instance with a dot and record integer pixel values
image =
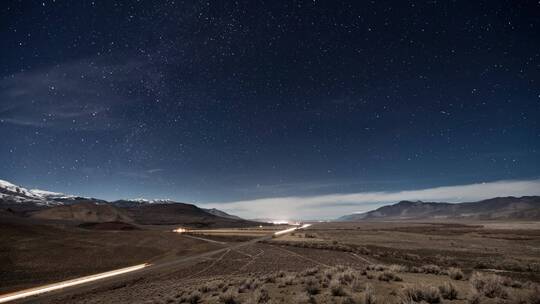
(474, 297)
(433, 269)
(411, 293)
(194, 297)
(455, 273)
(489, 285)
(388, 276)
(369, 295)
(431, 294)
(328, 273)
(509, 282)
(349, 300)
(312, 287)
(419, 293)
(415, 269)
(269, 278)
(356, 285)
(260, 296)
(346, 276)
(534, 296)
(336, 289)
(340, 268)
(247, 285)
(304, 299)
(288, 280)
(448, 291)
(377, 267)
(229, 297)
(398, 268)
(310, 271)
(209, 287)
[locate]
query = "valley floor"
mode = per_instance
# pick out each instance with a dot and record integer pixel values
(344, 263)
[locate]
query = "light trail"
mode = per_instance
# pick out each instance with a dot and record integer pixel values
(60, 285)
(291, 229)
(203, 239)
(47, 288)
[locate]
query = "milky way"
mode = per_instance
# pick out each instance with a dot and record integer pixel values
(223, 101)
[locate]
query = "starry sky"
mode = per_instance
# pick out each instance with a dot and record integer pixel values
(227, 101)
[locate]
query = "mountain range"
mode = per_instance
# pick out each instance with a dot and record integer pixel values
(499, 208)
(20, 202)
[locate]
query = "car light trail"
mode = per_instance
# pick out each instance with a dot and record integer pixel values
(47, 288)
(291, 229)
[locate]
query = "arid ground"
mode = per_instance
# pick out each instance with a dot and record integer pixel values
(378, 262)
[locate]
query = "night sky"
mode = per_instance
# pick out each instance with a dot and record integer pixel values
(226, 101)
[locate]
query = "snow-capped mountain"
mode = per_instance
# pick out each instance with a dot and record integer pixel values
(11, 193)
(8, 188)
(17, 201)
(151, 201)
(51, 195)
(14, 194)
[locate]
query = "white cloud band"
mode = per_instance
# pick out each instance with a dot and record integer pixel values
(335, 205)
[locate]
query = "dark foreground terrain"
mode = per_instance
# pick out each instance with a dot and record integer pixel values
(36, 254)
(480, 262)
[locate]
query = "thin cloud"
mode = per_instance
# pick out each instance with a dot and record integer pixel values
(334, 205)
(80, 93)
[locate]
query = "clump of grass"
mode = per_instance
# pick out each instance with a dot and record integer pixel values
(288, 280)
(448, 291)
(455, 273)
(369, 295)
(247, 285)
(229, 297)
(269, 278)
(377, 267)
(398, 268)
(208, 287)
(261, 296)
(304, 299)
(349, 300)
(310, 271)
(328, 273)
(312, 287)
(194, 297)
(356, 285)
(509, 282)
(533, 297)
(419, 293)
(474, 297)
(491, 286)
(411, 294)
(346, 276)
(336, 288)
(388, 276)
(431, 294)
(433, 269)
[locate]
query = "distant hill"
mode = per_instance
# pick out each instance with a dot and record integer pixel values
(183, 214)
(218, 212)
(499, 208)
(17, 201)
